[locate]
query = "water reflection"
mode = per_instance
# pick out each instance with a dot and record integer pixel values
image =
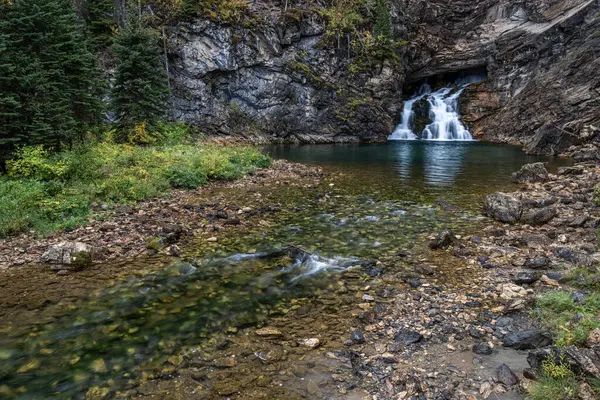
(443, 163)
(414, 170)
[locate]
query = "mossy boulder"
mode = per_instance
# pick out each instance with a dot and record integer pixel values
(73, 256)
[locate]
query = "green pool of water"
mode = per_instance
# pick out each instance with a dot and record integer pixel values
(456, 172)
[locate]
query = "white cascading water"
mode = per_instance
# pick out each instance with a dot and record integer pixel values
(443, 106)
(446, 123)
(403, 131)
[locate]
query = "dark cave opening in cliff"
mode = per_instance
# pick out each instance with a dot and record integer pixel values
(444, 79)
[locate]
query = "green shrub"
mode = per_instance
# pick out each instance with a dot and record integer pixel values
(557, 381)
(186, 177)
(34, 162)
(20, 204)
(52, 192)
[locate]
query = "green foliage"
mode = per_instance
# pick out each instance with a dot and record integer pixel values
(33, 162)
(366, 33)
(557, 381)
(186, 176)
(46, 192)
(49, 79)
(597, 194)
(583, 278)
(101, 22)
(570, 322)
(140, 91)
(383, 23)
(222, 11)
(344, 17)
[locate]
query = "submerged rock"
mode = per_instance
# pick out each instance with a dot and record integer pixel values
(310, 343)
(357, 337)
(267, 332)
(530, 173)
(68, 255)
(482, 349)
(443, 239)
(503, 207)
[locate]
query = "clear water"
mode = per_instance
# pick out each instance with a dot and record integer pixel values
(427, 171)
(380, 201)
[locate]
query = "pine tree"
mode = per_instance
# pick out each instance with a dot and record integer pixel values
(50, 73)
(102, 22)
(8, 99)
(383, 24)
(140, 91)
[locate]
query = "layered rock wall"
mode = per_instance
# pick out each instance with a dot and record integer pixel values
(277, 82)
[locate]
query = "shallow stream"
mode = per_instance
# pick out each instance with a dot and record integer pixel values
(380, 202)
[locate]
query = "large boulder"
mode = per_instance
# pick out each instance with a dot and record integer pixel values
(68, 256)
(530, 173)
(540, 217)
(526, 340)
(503, 207)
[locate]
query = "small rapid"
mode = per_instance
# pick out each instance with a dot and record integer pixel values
(443, 116)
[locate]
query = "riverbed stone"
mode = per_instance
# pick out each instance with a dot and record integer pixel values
(268, 332)
(540, 217)
(503, 207)
(482, 349)
(357, 337)
(525, 340)
(407, 337)
(526, 277)
(537, 262)
(506, 376)
(311, 343)
(442, 240)
(531, 173)
(68, 255)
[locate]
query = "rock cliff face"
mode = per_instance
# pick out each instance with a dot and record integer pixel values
(276, 81)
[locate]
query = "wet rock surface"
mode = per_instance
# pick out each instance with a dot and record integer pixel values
(531, 173)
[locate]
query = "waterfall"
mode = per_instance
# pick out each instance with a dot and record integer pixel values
(403, 131)
(446, 123)
(443, 114)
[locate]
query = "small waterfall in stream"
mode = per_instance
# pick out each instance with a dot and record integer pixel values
(445, 123)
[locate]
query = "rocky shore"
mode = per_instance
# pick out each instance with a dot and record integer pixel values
(436, 340)
(38, 273)
(452, 321)
(455, 323)
(127, 231)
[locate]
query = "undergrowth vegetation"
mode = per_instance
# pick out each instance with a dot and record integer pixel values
(43, 191)
(570, 321)
(556, 381)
